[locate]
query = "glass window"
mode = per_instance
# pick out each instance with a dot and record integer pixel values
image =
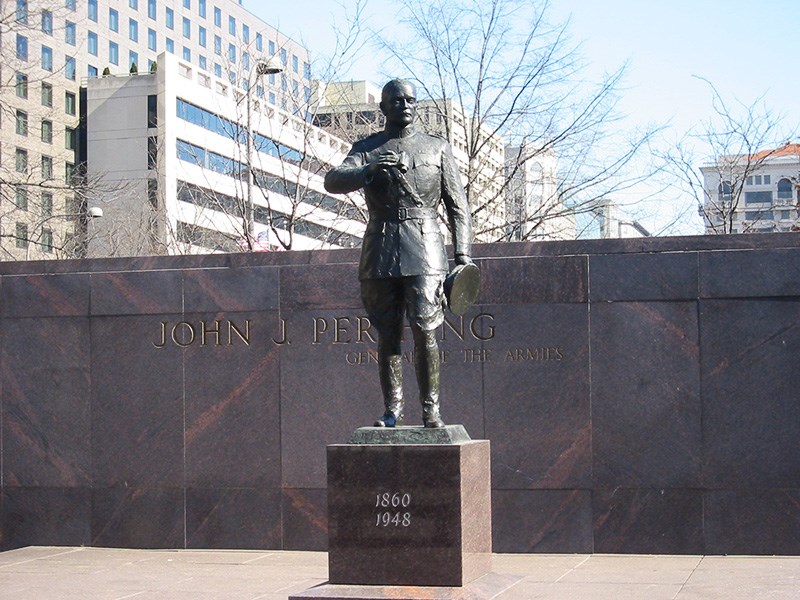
(22, 235)
(307, 70)
(113, 20)
(22, 11)
(22, 47)
(92, 45)
(295, 64)
(47, 58)
(284, 56)
(134, 4)
(69, 173)
(187, 3)
(47, 204)
(69, 67)
(232, 53)
(201, 8)
(767, 179)
(21, 160)
(113, 53)
(245, 34)
(152, 110)
(47, 167)
(187, 54)
(187, 28)
(133, 30)
(757, 179)
(47, 22)
(259, 42)
(69, 33)
(784, 188)
(201, 36)
(69, 103)
(232, 25)
(133, 61)
(22, 122)
(202, 62)
(47, 239)
(271, 47)
(217, 69)
(47, 94)
(217, 45)
(70, 138)
(70, 4)
(151, 39)
(151, 9)
(245, 61)
(152, 151)
(217, 17)
(22, 85)
(92, 9)
(47, 131)
(170, 18)
(21, 198)
(170, 45)
(758, 197)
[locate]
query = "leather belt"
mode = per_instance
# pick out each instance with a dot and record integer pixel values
(404, 213)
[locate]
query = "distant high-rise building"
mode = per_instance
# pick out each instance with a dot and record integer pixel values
(52, 49)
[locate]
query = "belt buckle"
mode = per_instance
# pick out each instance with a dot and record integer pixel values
(402, 213)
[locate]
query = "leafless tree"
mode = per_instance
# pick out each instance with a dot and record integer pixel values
(712, 162)
(501, 70)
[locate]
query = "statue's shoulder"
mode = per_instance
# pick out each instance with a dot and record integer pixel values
(432, 140)
(370, 142)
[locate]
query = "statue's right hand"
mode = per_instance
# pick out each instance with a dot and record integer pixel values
(383, 162)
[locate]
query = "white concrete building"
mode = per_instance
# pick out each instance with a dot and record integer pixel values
(756, 194)
(176, 141)
(534, 208)
(49, 50)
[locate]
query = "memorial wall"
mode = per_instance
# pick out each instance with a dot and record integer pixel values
(640, 396)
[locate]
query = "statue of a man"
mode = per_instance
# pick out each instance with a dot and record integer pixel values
(405, 174)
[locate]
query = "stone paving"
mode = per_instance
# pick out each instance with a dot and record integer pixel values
(52, 573)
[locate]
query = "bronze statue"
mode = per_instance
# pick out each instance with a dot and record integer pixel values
(405, 174)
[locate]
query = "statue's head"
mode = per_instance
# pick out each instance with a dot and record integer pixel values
(399, 102)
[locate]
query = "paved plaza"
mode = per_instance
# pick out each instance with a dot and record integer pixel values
(49, 573)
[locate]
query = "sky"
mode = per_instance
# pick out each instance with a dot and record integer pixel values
(746, 48)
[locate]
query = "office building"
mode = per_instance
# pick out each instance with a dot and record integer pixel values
(201, 165)
(51, 50)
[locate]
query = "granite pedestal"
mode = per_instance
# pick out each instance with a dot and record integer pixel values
(409, 507)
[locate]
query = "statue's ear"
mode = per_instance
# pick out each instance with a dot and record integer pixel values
(382, 107)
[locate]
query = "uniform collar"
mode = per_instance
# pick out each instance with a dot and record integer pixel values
(400, 132)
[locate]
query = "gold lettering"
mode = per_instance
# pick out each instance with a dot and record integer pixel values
(244, 336)
(163, 341)
(320, 327)
(342, 323)
(204, 331)
(284, 336)
(187, 326)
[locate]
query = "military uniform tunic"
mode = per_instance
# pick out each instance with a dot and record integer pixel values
(403, 237)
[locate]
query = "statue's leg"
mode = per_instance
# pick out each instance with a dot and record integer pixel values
(383, 300)
(390, 372)
(426, 363)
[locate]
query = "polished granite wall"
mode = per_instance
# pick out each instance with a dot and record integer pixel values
(639, 395)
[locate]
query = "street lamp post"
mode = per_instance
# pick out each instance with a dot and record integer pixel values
(263, 67)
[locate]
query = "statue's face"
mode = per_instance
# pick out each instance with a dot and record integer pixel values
(399, 104)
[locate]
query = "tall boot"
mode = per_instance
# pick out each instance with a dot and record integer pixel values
(390, 372)
(426, 364)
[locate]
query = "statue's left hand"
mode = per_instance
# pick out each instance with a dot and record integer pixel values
(463, 259)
